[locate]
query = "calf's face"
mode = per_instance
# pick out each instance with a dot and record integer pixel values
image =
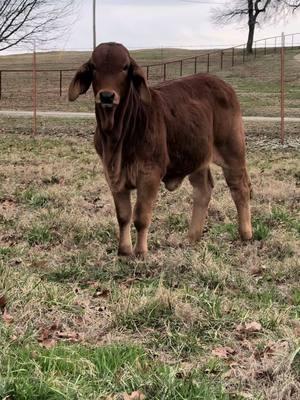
(112, 73)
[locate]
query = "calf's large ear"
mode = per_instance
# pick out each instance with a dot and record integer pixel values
(140, 82)
(81, 81)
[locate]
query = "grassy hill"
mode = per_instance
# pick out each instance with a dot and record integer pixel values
(72, 59)
(257, 81)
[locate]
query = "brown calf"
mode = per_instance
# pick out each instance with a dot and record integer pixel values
(173, 130)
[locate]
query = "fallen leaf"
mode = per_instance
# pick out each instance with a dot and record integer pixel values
(248, 328)
(44, 334)
(137, 395)
(7, 318)
(223, 352)
(72, 336)
(102, 293)
(296, 325)
(257, 270)
(48, 343)
(2, 302)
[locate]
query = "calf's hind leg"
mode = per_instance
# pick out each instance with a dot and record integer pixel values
(202, 182)
(240, 188)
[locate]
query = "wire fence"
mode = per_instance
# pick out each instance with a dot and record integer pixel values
(256, 77)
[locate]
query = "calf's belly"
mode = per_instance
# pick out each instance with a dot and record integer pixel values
(184, 163)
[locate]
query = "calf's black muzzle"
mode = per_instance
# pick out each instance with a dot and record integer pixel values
(107, 98)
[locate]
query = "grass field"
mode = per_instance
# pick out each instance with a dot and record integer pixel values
(214, 321)
(257, 81)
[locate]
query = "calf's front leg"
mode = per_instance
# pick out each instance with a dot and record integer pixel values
(147, 190)
(124, 214)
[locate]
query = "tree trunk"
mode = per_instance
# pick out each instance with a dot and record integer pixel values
(250, 37)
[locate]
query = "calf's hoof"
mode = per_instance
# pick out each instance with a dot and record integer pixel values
(125, 252)
(246, 235)
(140, 253)
(194, 237)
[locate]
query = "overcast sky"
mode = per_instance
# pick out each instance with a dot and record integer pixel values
(155, 23)
(160, 23)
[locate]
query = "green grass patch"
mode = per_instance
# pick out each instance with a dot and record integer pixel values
(177, 222)
(78, 372)
(285, 218)
(34, 198)
(229, 229)
(40, 234)
(261, 230)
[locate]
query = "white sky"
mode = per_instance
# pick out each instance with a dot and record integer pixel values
(160, 23)
(156, 23)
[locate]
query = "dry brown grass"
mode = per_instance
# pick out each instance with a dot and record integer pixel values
(64, 285)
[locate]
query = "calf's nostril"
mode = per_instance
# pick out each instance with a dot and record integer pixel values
(107, 97)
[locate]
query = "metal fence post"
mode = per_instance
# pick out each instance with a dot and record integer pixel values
(165, 71)
(147, 72)
(282, 89)
(180, 67)
(34, 90)
(222, 54)
(232, 62)
(60, 83)
(0, 85)
(195, 66)
(208, 62)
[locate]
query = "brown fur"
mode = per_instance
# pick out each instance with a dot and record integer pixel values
(173, 130)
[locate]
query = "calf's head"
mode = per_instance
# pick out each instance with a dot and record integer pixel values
(112, 73)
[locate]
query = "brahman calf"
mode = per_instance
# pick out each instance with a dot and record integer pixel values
(146, 135)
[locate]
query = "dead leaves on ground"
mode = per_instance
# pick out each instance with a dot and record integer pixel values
(6, 317)
(49, 336)
(3, 302)
(248, 328)
(223, 352)
(136, 395)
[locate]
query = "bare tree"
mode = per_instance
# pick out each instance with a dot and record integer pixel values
(294, 4)
(22, 21)
(254, 11)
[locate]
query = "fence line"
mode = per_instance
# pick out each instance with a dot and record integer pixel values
(268, 79)
(176, 68)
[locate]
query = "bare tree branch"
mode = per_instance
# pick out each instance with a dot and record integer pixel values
(253, 12)
(294, 4)
(22, 21)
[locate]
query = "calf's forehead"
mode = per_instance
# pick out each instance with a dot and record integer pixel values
(110, 55)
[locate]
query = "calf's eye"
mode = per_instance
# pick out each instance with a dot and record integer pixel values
(125, 68)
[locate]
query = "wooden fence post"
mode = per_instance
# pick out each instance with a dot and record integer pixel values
(282, 83)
